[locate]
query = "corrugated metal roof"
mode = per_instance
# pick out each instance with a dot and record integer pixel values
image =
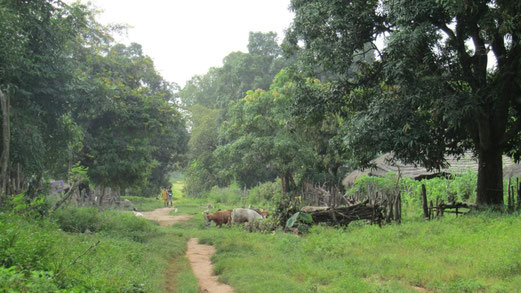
(512, 171)
(457, 165)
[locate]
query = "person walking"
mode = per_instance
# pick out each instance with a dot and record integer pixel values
(170, 196)
(165, 196)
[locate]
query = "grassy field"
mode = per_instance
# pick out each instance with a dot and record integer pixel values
(474, 253)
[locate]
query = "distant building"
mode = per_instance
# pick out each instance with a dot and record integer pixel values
(58, 186)
(385, 164)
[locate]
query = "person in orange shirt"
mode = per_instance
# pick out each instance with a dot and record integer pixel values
(165, 196)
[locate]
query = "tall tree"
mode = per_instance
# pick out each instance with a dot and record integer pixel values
(202, 170)
(431, 92)
(263, 141)
(208, 97)
(240, 73)
(130, 121)
(37, 40)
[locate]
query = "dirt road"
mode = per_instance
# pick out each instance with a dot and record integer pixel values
(163, 218)
(198, 255)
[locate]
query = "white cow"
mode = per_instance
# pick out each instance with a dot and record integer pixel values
(240, 216)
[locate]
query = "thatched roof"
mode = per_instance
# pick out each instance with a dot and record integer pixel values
(385, 164)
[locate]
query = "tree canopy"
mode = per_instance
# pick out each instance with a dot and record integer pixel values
(209, 98)
(430, 93)
(72, 95)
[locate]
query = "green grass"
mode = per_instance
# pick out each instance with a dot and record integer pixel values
(474, 253)
(184, 279)
(145, 203)
(177, 189)
(50, 255)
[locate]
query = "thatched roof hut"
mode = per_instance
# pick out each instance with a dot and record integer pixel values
(385, 164)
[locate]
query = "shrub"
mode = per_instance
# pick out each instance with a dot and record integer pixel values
(25, 243)
(127, 225)
(12, 280)
(231, 195)
(459, 188)
(113, 223)
(264, 193)
(77, 220)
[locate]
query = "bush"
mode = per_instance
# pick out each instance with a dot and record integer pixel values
(26, 243)
(113, 223)
(231, 195)
(459, 188)
(144, 203)
(264, 193)
(77, 220)
(11, 280)
(127, 225)
(35, 256)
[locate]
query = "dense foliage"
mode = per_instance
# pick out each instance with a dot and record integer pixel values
(69, 94)
(446, 79)
(209, 99)
(268, 122)
(254, 135)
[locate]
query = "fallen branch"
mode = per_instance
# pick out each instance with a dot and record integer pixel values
(77, 258)
(65, 197)
(345, 215)
(466, 205)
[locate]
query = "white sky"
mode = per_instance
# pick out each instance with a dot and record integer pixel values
(187, 37)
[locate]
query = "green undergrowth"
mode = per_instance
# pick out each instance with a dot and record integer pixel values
(473, 253)
(118, 253)
(264, 194)
(184, 279)
(145, 203)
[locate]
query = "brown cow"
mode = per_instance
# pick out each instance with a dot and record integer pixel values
(219, 217)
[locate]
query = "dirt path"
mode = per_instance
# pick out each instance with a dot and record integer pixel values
(199, 257)
(163, 218)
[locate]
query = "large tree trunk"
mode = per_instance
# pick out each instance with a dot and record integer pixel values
(288, 183)
(6, 135)
(18, 179)
(102, 195)
(490, 177)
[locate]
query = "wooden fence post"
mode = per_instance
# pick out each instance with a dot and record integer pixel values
(390, 215)
(398, 208)
(437, 207)
(518, 194)
(509, 202)
(424, 199)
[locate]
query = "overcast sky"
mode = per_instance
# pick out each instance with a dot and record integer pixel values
(187, 37)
